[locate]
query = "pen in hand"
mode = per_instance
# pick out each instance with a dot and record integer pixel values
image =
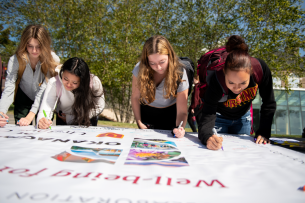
(179, 127)
(45, 115)
(215, 132)
(3, 117)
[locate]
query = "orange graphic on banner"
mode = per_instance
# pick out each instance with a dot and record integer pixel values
(114, 135)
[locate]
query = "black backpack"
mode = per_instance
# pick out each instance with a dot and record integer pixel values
(190, 69)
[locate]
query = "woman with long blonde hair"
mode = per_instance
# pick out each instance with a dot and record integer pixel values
(160, 88)
(27, 75)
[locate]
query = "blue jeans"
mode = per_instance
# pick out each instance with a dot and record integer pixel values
(238, 126)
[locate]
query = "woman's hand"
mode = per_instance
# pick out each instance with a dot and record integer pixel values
(262, 140)
(179, 132)
(3, 121)
(44, 123)
(62, 117)
(26, 120)
(214, 142)
(141, 125)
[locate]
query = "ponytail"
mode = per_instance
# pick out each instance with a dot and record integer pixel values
(238, 58)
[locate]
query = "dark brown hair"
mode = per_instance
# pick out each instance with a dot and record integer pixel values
(238, 58)
(85, 97)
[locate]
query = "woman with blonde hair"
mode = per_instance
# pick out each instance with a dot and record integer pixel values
(27, 75)
(160, 88)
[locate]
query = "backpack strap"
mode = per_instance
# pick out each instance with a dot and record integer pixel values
(257, 70)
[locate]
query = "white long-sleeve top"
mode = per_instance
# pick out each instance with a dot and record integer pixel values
(29, 83)
(67, 99)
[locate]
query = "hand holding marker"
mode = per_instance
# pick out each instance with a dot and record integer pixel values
(215, 132)
(45, 115)
(3, 117)
(179, 127)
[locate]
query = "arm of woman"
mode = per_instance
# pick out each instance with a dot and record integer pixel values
(181, 113)
(35, 106)
(47, 104)
(208, 116)
(7, 97)
(135, 98)
(268, 106)
(97, 89)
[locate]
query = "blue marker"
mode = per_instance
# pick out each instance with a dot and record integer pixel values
(3, 117)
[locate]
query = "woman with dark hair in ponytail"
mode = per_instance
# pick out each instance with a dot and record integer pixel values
(77, 93)
(233, 115)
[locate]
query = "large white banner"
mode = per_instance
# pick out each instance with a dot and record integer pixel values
(115, 165)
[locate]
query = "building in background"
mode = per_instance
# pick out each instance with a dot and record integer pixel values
(289, 118)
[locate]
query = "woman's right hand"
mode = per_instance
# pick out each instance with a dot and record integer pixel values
(44, 123)
(141, 125)
(3, 121)
(214, 142)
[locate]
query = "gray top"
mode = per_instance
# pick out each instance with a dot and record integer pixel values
(29, 83)
(160, 101)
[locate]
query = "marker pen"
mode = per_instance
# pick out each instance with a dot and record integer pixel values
(179, 126)
(215, 132)
(45, 115)
(3, 117)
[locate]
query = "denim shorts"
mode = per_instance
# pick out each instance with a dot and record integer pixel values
(238, 126)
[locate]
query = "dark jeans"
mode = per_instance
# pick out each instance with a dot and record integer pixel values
(238, 126)
(159, 118)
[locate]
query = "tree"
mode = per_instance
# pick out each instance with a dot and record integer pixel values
(109, 35)
(7, 47)
(275, 32)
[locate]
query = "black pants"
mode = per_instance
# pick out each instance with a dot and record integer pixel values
(23, 105)
(159, 118)
(93, 121)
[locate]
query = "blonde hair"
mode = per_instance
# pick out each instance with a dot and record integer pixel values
(39, 33)
(158, 45)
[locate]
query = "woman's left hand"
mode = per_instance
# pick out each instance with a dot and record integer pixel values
(262, 140)
(179, 132)
(62, 117)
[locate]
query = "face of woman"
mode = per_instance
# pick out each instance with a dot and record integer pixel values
(33, 48)
(158, 62)
(237, 81)
(70, 81)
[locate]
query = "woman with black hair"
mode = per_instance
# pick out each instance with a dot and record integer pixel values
(233, 115)
(77, 93)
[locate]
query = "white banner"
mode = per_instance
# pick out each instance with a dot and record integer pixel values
(115, 165)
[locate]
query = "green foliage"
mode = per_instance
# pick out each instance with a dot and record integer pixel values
(109, 35)
(7, 47)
